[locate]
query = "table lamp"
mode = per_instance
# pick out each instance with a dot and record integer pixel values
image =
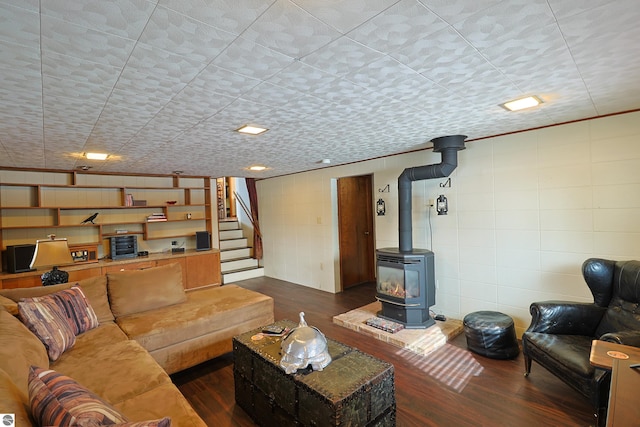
(52, 253)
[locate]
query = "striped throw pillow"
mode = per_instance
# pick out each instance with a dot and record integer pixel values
(76, 307)
(58, 400)
(44, 317)
(57, 318)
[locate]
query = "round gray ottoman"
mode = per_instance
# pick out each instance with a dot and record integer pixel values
(491, 334)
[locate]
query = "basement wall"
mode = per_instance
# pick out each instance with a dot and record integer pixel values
(525, 210)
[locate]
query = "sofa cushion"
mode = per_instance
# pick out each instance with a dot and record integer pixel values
(9, 305)
(44, 317)
(58, 400)
(94, 288)
(19, 349)
(205, 311)
(116, 371)
(161, 401)
(137, 291)
(164, 422)
(14, 401)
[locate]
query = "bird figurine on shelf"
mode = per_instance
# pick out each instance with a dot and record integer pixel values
(90, 219)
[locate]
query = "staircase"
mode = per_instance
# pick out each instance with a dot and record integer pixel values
(236, 262)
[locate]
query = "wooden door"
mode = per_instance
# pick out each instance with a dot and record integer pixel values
(355, 218)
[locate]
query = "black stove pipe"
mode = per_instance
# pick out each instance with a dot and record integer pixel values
(448, 147)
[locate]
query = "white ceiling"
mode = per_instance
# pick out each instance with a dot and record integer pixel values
(161, 85)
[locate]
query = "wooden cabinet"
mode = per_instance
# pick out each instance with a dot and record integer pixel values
(199, 269)
(203, 270)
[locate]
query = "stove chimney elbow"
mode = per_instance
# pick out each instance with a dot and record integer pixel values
(448, 147)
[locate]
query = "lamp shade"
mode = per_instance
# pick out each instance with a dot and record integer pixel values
(51, 252)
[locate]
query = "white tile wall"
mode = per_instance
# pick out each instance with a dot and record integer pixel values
(525, 210)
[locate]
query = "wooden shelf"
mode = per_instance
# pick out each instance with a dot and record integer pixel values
(62, 202)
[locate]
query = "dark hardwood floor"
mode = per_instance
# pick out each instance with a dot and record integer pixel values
(428, 393)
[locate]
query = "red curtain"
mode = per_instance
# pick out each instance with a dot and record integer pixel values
(253, 202)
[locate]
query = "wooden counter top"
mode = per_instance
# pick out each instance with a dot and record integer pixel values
(85, 270)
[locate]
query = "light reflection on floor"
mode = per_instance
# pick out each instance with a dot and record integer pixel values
(451, 365)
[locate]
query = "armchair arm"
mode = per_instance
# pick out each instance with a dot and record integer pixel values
(565, 317)
(631, 338)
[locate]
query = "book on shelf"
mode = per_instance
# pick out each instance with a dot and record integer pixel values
(156, 217)
(128, 201)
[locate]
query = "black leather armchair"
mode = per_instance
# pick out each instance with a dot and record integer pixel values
(559, 337)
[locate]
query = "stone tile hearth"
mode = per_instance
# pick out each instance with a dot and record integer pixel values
(420, 341)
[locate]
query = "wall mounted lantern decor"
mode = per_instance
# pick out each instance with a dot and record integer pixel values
(442, 206)
(380, 207)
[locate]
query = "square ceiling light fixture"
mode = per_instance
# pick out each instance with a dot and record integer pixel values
(522, 103)
(251, 130)
(96, 156)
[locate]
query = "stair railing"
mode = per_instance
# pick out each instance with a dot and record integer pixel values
(248, 212)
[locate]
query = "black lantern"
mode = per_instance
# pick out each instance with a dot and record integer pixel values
(441, 205)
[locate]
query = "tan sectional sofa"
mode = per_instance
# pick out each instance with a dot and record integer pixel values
(149, 327)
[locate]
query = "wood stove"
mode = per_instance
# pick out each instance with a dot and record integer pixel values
(406, 286)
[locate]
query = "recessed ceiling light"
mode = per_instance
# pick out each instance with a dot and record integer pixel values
(325, 161)
(257, 168)
(251, 130)
(521, 103)
(96, 156)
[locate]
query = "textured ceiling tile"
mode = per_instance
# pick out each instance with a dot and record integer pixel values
(56, 161)
(171, 31)
(438, 51)
(79, 70)
(84, 43)
(307, 105)
(401, 77)
(604, 50)
(270, 94)
(341, 56)
(31, 5)
(162, 64)
(565, 8)
(71, 135)
(288, 29)
(398, 27)
(214, 79)
(132, 83)
(19, 26)
(456, 11)
(95, 93)
(26, 81)
(192, 103)
(124, 18)
(301, 77)
(15, 56)
(509, 20)
(148, 103)
(385, 75)
(70, 112)
(250, 59)
(344, 15)
(230, 15)
(25, 153)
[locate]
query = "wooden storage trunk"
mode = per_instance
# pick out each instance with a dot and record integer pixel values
(356, 389)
